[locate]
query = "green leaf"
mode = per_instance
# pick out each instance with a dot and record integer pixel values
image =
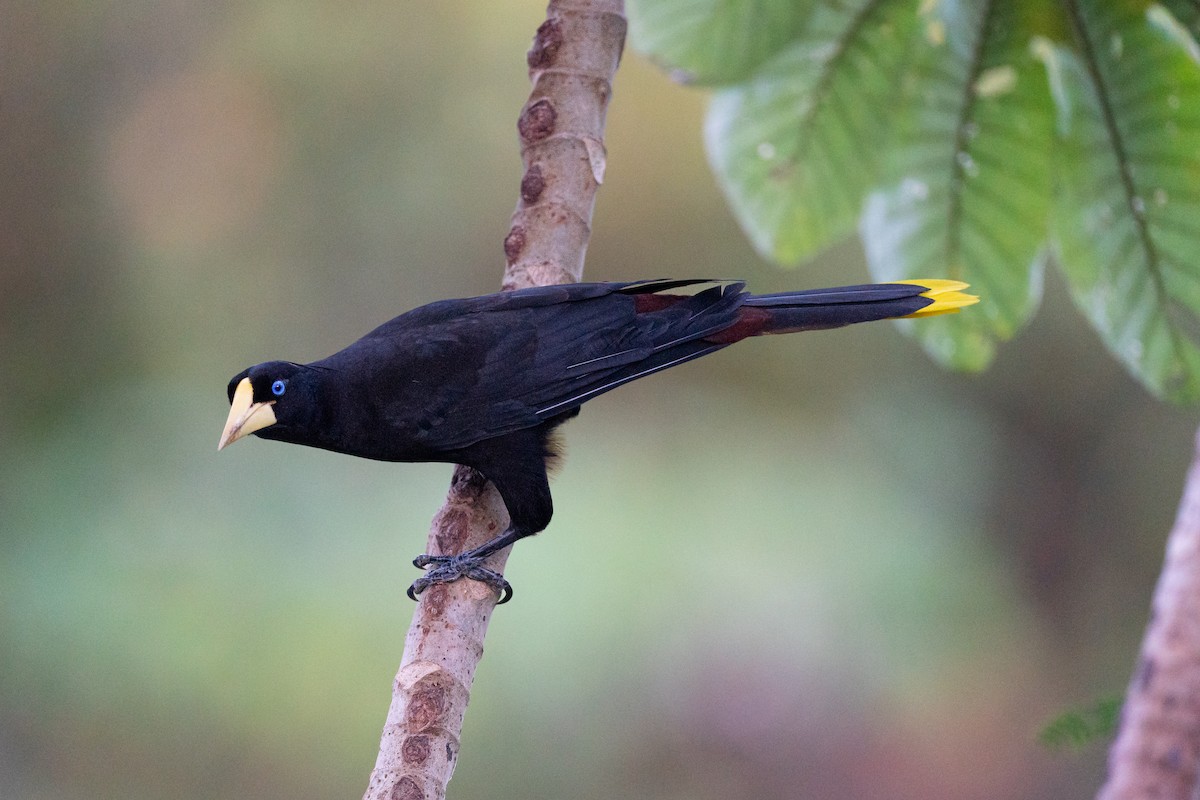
(1127, 213)
(1080, 727)
(796, 146)
(1179, 21)
(969, 196)
(965, 158)
(714, 41)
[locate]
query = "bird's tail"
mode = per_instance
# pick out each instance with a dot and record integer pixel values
(814, 309)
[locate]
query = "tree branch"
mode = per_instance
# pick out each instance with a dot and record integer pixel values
(1157, 750)
(561, 127)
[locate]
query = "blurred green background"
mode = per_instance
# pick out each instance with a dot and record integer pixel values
(812, 567)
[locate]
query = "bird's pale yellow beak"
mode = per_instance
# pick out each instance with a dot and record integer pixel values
(245, 415)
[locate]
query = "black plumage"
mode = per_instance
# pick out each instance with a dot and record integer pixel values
(485, 381)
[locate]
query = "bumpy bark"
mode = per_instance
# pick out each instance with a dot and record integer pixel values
(561, 129)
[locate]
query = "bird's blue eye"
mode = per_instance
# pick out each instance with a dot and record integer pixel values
(278, 388)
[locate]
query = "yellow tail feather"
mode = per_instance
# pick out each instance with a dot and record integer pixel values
(947, 297)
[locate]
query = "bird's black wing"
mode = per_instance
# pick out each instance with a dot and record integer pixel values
(456, 372)
(624, 348)
(445, 311)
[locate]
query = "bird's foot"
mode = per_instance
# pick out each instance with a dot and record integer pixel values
(447, 569)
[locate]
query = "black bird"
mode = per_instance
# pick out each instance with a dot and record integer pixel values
(485, 381)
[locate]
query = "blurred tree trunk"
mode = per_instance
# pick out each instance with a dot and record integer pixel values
(1157, 749)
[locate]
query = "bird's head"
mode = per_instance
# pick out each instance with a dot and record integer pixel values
(275, 400)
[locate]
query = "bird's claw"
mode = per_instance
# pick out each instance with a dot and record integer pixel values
(447, 569)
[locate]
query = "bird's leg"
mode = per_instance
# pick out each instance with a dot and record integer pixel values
(516, 465)
(446, 569)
